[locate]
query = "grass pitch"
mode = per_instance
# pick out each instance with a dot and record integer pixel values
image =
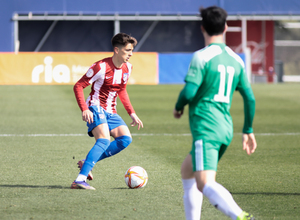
(42, 137)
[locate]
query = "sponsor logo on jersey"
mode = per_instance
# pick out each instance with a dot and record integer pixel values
(125, 77)
(191, 74)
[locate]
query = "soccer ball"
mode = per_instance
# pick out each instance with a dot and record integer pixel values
(136, 177)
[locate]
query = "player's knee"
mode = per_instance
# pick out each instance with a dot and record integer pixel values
(123, 141)
(200, 186)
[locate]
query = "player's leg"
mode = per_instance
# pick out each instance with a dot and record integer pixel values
(205, 160)
(100, 130)
(101, 134)
(192, 197)
(120, 132)
(80, 164)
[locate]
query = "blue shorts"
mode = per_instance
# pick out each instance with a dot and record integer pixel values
(101, 116)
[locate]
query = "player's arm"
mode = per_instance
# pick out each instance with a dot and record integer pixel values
(79, 95)
(87, 115)
(245, 90)
(249, 109)
(193, 81)
(185, 96)
(123, 95)
(249, 141)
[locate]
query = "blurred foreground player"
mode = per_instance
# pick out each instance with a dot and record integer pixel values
(215, 72)
(108, 79)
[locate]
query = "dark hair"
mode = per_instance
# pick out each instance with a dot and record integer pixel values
(213, 20)
(122, 39)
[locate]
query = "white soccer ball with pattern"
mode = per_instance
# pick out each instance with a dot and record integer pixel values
(136, 177)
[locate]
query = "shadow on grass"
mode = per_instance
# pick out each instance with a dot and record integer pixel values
(35, 186)
(47, 187)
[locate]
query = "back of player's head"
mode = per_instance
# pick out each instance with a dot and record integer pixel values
(122, 39)
(213, 20)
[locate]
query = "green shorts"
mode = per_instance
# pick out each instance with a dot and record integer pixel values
(206, 154)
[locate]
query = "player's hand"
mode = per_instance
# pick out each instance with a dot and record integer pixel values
(88, 116)
(136, 121)
(177, 114)
(249, 143)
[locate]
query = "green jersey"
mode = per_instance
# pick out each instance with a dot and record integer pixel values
(217, 72)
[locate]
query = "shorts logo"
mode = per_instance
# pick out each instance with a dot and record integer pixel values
(102, 116)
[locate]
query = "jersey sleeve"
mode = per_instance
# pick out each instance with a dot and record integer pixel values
(186, 95)
(196, 70)
(123, 95)
(83, 83)
(79, 95)
(193, 80)
(249, 102)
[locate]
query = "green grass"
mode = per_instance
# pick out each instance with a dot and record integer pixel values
(37, 171)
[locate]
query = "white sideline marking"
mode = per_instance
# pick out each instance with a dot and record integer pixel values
(135, 134)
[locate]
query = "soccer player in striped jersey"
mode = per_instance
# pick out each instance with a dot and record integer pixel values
(108, 79)
(215, 72)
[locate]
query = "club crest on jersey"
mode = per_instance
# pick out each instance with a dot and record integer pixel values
(125, 77)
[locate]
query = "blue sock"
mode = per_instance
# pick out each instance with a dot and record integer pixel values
(119, 144)
(94, 155)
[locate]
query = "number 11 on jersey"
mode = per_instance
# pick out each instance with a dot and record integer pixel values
(221, 96)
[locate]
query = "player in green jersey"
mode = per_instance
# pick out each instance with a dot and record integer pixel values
(215, 72)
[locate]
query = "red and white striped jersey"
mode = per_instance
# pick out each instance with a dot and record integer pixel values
(107, 83)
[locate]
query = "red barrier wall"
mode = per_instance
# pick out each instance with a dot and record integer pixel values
(260, 38)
